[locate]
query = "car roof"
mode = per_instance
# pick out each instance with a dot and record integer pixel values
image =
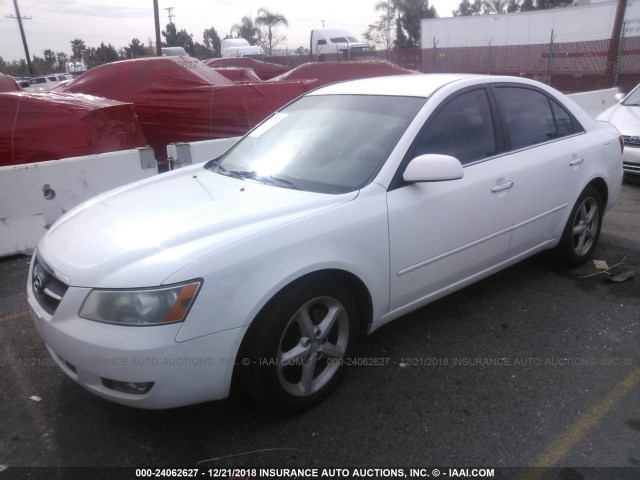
(416, 85)
(412, 85)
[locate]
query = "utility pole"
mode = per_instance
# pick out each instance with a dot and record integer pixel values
(156, 17)
(170, 15)
(24, 38)
(614, 43)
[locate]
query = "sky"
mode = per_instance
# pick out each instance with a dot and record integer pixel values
(54, 23)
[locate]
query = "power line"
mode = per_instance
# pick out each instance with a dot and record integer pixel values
(170, 15)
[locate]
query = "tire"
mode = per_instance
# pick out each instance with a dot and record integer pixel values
(580, 235)
(291, 358)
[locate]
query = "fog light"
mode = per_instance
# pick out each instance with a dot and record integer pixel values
(133, 388)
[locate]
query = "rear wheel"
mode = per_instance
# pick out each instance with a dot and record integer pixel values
(292, 357)
(582, 231)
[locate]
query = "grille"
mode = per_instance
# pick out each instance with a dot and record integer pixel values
(631, 167)
(631, 140)
(47, 288)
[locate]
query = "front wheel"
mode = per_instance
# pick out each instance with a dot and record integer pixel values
(292, 357)
(582, 231)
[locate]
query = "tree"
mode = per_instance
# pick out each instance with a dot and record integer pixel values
(483, 7)
(467, 8)
(495, 7)
(78, 49)
(62, 58)
(391, 9)
(407, 15)
(170, 36)
(527, 6)
(246, 29)
(513, 6)
(173, 38)
(50, 60)
(381, 32)
(271, 21)
(38, 66)
(411, 14)
(135, 49)
(211, 41)
(546, 4)
(105, 54)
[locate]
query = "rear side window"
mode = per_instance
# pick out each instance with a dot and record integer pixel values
(463, 128)
(532, 117)
(564, 122)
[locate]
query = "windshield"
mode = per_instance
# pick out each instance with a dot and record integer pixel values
(633, 99)
(325, 143)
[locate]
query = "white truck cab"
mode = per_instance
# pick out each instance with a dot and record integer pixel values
(239, 47)
(335, 40)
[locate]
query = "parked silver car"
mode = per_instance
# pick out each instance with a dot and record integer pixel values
(625, 116)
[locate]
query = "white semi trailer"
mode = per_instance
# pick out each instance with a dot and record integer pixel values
(571, 24)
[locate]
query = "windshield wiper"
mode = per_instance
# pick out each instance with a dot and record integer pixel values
(252, 175)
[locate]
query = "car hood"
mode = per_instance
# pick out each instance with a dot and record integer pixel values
(138, 235)
(626, 119)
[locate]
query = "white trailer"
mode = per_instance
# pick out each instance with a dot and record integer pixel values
(571, 24)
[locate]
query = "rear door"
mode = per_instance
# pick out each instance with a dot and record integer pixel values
(549, 149)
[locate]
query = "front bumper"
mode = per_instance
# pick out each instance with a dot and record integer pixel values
(102, 357)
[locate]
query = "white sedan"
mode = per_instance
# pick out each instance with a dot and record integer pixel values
(348, 208)
(625, 116)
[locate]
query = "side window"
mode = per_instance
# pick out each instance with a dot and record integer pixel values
(532, 117)
(564, 122)
(463, 129)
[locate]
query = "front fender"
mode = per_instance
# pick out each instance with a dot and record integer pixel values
(239, 280)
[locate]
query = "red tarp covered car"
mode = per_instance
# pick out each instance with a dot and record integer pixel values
(263, 70)
(180, 99)
(330, 72)
(38, 126)
(8, 84)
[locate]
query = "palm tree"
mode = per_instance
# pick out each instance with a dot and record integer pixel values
(392, 9)
(247, 30)
(270, 20)
(78, 48)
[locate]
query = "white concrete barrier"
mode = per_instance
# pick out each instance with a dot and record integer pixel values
(183, 154)
(34, 195)
(595, 102)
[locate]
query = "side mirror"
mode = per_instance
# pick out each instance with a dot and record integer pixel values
(619, 97)
(433, 168)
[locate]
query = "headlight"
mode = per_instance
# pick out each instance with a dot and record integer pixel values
(148, 306)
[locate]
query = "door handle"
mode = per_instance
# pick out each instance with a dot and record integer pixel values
(500, 188)
(576, 161)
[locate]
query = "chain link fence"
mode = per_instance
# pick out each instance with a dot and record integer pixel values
(569, 67)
